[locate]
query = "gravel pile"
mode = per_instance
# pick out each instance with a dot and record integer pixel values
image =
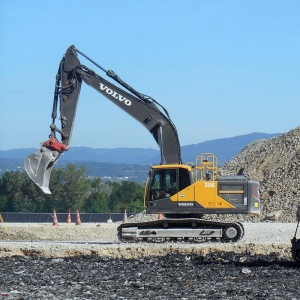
(275, 163)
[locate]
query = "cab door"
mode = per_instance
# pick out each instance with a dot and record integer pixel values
(185, 196)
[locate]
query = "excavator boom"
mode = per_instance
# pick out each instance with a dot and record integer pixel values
(68, 83)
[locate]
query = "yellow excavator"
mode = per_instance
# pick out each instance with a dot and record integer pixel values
(183, 193)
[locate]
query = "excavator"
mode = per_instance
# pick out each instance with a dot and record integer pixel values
(296, 242)
(182, 193)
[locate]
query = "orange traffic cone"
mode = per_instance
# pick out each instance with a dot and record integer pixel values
(78, 221)
(160, 216)
(55, 222)
(69, 218)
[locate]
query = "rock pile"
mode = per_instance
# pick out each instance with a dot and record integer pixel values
(275, 163)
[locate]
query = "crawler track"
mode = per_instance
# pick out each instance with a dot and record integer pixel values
(180, 230)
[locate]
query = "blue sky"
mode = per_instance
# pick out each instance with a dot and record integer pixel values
(221, 68)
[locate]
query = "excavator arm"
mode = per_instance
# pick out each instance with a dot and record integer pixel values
(68, 83)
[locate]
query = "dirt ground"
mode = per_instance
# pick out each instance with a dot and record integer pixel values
(62, 232)
(100, 238)
(76, 262)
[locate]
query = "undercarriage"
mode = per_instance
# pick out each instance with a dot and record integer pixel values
(180, 230)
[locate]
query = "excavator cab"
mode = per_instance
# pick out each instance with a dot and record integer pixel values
(166, 181)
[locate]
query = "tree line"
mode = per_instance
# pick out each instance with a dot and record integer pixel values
(72, 190)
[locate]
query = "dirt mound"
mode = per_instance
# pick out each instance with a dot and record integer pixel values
(275, 163)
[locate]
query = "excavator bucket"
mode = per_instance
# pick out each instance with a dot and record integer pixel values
(39, 166)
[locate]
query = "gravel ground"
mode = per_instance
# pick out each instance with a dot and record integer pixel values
(101, 239)
(41, 261)
(174, 276)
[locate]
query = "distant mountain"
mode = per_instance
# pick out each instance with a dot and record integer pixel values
(108, 171)
(224, 149)
(131, 163)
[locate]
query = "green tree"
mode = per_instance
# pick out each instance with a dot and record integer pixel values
(3, 203)
(98, 186)
(70, 188)
(97, 200)
(128, 196)
(19, 193)
(96, 203)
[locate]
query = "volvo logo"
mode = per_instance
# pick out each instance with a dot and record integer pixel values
(114, 94)
(186, 204)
